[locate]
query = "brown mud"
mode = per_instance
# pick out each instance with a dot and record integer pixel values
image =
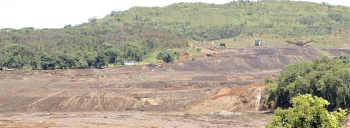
(219, 90)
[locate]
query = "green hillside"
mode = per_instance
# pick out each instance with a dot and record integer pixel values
(236, 19)
(141, 32)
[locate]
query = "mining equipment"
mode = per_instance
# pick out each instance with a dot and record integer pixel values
(211, 48)
(216, 45)
(223, 44)
(258, 42)
(301, 43)
(161, 64)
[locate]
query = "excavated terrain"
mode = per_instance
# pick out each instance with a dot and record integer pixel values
(214, 90)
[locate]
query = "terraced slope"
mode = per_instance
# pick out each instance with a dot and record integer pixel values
(249, 60)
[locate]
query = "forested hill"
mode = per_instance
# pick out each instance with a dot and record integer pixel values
(214, 22)
(136, 33)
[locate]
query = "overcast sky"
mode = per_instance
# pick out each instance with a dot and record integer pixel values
(58, 13)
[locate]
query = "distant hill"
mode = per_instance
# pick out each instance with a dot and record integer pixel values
(215, 22)
(139, 32)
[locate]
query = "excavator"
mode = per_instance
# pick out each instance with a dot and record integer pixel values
(211, 48)
(301, 43)
(223, 44)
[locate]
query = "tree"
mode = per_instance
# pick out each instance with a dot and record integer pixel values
(47, 61)
(92, 20)
(150, 45)
(36, 62)
(267, 80)
(166, 56)
(83, 63)
(15, 56)
(101, 60)
(67, 26)
(307, 112)
(113, 13)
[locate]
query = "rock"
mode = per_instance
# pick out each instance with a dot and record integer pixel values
(49, 117)
(150, 100)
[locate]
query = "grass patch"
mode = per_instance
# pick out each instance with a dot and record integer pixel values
(113, 65)
(324, 53)
(152, 58)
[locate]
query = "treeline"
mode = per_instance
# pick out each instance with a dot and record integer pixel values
(21, 57)
(326, 78)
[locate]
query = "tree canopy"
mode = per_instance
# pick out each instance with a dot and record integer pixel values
(307, 112)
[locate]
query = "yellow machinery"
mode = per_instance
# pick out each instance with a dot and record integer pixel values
(301, 43)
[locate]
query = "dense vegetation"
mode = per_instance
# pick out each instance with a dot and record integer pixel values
(326, 78)
(307, 112)
(137, 33)
(201, 21)
(82, 46)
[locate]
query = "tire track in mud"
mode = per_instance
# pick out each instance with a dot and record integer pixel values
(89, 101)
(50, 95)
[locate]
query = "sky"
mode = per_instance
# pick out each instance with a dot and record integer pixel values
(58, 13)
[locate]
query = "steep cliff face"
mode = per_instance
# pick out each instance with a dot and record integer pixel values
(248, 60)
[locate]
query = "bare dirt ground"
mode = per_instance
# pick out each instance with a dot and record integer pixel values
(129, 119)
(218, 90)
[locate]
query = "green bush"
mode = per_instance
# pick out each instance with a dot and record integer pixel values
(307, 112)
(198, 49)
(166, 56)
(267, 80)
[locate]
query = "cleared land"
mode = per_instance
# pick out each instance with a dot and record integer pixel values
(216, 90)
